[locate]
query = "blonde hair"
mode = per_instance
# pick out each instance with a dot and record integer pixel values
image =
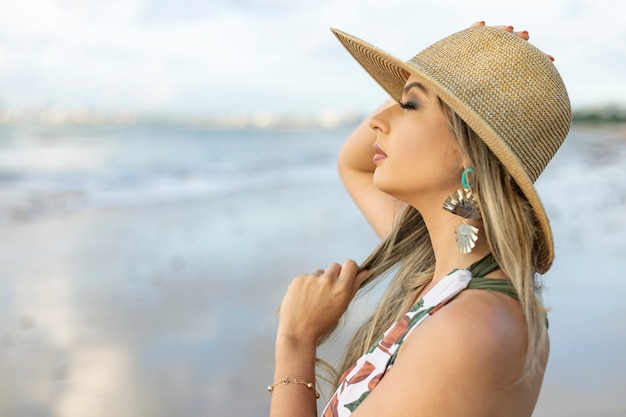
(512, 233)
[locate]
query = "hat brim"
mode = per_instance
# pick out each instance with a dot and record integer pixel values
(391, 73)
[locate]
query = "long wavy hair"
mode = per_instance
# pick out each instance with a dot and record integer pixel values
(512, 233)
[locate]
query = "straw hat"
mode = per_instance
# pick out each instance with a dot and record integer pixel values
(504, 88)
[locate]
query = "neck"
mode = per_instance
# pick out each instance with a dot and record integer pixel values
(441, 227)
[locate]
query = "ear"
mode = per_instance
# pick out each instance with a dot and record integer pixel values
(467, 162)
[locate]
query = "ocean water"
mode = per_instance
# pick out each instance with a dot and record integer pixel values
(141, 266)
(55, 171)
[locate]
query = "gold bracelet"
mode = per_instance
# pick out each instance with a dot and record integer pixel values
(285, 381)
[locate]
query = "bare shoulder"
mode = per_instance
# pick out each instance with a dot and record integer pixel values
(485, 328)
(481, 331)
(462, 360)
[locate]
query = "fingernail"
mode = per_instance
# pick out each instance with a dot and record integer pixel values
(525, 32)
(551, 57)
(482, 23)
(510, 28)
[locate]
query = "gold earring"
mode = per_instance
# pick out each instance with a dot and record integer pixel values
(463, 204)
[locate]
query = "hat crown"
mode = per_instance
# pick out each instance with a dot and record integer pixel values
(506, 84)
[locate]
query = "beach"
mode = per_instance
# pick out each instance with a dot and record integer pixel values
(119, 301)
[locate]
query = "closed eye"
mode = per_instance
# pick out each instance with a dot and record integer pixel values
(408, 105)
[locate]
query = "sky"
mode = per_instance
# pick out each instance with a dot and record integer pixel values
(276, 56)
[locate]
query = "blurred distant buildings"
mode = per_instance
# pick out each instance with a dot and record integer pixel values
(601, 114)
(57, 116)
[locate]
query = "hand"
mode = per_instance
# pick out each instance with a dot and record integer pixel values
(522, 34)
(314, 302)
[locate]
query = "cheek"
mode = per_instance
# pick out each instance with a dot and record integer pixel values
(451, 161)
(430, 165)
(452, 156)
(437, 155)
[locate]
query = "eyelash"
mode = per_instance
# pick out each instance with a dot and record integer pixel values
(408, 105)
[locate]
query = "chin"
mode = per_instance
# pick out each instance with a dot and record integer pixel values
(382, 183)
(390, 189)
(389, 183)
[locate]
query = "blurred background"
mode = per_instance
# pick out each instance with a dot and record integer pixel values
(167, 167)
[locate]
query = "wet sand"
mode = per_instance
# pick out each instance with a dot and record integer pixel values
(161, 311)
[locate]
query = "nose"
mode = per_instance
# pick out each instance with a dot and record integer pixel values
(379, 121)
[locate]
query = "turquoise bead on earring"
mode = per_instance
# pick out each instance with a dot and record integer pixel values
(464, 182)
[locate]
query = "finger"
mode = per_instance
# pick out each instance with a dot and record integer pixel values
(317, 272)
(349, 270)
(361, 277)
(523, 34)
(476, 24)
(333, 270)
(506, 28)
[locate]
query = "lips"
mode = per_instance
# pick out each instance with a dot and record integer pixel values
(379, 155)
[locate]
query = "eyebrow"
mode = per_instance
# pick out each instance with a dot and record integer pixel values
(415, 84)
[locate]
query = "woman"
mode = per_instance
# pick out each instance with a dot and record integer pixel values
(444, 173)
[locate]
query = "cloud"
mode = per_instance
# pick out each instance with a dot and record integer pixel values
(274, 55)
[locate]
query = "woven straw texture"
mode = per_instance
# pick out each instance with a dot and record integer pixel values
(503, 87)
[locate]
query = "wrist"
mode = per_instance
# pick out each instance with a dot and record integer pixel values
(295, 335)
(294, 359)
(287, 342)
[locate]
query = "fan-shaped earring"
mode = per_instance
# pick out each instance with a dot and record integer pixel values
(463, 204)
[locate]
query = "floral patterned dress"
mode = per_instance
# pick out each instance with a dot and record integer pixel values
(363, 376)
